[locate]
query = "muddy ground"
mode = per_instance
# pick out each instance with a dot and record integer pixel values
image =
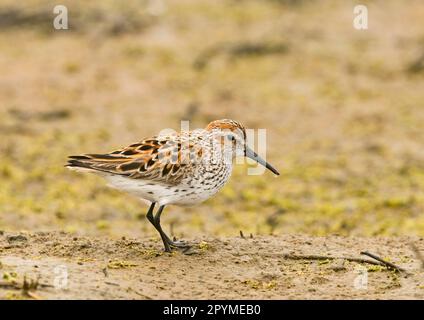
(343, 113)
(67, 266)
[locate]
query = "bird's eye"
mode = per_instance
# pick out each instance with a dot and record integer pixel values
(231, 137)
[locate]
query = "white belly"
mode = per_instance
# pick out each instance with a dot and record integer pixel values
(164, 194)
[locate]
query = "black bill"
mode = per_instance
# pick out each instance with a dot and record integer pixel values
(254, 156)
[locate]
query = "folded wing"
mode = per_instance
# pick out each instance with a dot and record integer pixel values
(151, 159)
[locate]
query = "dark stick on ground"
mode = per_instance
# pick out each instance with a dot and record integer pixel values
(242, 235)
(323, 258)
(386, 263)
(25, 285)
(112, 283)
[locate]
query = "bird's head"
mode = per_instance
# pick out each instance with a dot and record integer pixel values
(232, 137)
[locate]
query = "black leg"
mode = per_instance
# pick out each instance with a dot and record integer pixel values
(176, 244)
(158, 227)
(155, 221)
(149, 214)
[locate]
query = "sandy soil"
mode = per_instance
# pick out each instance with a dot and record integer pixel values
(343, 110)
(267, 267)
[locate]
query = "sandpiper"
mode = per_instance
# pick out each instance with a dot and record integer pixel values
(182, 168)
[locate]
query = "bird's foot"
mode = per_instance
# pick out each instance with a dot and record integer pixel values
(179, 244)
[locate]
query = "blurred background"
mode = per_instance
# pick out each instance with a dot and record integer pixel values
(343, 109)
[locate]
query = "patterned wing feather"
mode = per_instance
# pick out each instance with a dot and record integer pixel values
(148, 159)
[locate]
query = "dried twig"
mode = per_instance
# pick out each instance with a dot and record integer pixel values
(140, 294)
(242, 235)
(17, 286)
(291, 256)
(112, 283)
(323, 258)
(28, 287)
(32, 295)
(9, 285)
(386, 263)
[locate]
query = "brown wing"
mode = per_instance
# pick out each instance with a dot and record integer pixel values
(148, 159)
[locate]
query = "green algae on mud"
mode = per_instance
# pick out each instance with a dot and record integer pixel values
(344, 132)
